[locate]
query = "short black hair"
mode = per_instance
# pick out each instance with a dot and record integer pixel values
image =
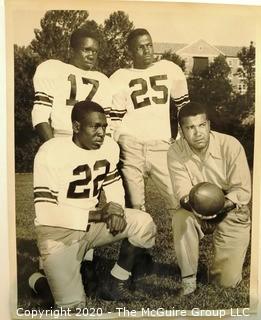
(192, 109)
(82, 108)
(81, 33)
(136, 33)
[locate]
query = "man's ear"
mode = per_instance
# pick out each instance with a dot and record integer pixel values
(130, 53)
(76, 126)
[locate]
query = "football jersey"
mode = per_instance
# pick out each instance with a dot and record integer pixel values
(141, 99)
(68, 181)
(58, 86)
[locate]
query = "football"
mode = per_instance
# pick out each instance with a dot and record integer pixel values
(206, 198)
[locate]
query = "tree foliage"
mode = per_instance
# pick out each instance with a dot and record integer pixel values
(229, 111)
(116, 30)
(26, 142)
(247, 58)
(212, 86)
(172, 56)
(51, 41)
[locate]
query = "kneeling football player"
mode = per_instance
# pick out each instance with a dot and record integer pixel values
(69, 174)
(202, 155)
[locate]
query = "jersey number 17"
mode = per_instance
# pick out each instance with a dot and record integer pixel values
(72, 99)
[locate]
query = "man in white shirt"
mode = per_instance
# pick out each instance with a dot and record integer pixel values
(202, 155)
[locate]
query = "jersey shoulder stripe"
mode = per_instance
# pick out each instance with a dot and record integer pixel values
(111, 176)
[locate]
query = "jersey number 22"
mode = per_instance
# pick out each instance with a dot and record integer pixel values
(71, 193)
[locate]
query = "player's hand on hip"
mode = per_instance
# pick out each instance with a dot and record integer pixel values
(111, 208)
(116, 224)
(114, 217)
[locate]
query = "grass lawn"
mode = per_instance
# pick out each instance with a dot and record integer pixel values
(160, 288)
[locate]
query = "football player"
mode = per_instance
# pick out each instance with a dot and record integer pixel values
(69, 173)
(58, 86)
(202, 155)
(145, 102)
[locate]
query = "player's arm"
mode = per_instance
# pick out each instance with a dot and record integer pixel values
(44, 131)
(180, 178)
(119, 100)
(49, 210)
(43, 101)
(238, 175)
(114, 192)
(178, 98)
(112, 214)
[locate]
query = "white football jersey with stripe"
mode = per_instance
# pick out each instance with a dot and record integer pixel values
(141, 99)
(58, 86)
(68, 181)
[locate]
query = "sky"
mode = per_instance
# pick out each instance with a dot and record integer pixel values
(167, 22)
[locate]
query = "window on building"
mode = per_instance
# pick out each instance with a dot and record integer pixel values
(242, 88)
(199, 64)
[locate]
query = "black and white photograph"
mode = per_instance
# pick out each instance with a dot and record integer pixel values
(133, 179)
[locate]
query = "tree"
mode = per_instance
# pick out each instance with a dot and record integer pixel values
(212, 86)
(52, 40)
(228, 110)
(115, 54)
(218, 69)
(247, 72)
(26, 142)
(172, 56)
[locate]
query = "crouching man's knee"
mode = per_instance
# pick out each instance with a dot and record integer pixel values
(182, 220)
(228, 279)
(143, 229)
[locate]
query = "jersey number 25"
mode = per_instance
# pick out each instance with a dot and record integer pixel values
(154, 83)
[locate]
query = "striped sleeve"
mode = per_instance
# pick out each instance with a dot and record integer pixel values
(179, 89)
(49, 211)
(119, 100)
(44, 95)
(45, 194)
(111, 177)
(112, 184)
(45, 179)
(117, 115)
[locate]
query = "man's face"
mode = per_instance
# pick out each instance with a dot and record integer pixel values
(90, 132)
(196, 131)
(142, 51)
(85, 55)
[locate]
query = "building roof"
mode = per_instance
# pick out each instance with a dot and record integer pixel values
(161, 47)
(229, 51)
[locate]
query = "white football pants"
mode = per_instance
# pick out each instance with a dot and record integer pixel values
(62, 251)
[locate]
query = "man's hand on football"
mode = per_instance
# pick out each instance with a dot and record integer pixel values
(184, 202)
(202, 217)
(114, 217)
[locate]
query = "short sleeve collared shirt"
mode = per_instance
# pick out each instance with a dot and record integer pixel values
(225, 165)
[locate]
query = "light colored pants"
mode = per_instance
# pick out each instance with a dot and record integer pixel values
(231, 239)
(145, 159)
(62, 251)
